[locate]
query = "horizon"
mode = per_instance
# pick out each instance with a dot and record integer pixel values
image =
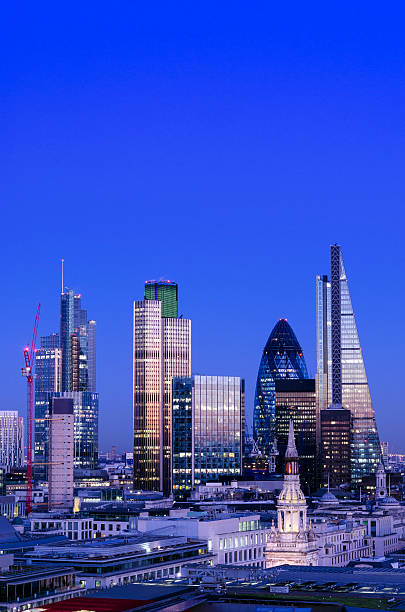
(222, 148)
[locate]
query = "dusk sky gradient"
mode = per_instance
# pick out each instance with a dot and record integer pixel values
(220, 145)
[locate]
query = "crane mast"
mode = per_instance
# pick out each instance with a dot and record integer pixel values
(28, 372)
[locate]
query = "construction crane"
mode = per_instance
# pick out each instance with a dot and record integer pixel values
(28, 372)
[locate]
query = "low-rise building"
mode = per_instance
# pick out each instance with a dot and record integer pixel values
(236, 538)
(24, 587)
(104, 563)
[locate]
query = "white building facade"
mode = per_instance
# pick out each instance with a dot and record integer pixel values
(11, 439)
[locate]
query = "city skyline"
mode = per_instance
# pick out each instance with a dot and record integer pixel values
(250, 391)
(224, 150)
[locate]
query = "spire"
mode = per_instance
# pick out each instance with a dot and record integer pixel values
(291, 448)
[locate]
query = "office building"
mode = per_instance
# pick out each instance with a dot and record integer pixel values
(208, 423)
(91, 356)
(335, 464)
(65, 366)
(236, 538)
(167, 293)
(48, 380)
(341, 374)
(384, 453)
(296, 400)
(282, 358)
(11, 440)
(123, 559)
(85, 412)
(161, 351)
(61, 451)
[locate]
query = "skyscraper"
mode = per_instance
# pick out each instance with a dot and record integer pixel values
(296, 401)
(341, 373)
(11, 440)
(208, 422)
(335, 464)
(161, 351)
(65, 366)
(61, 452)
(48, 380)
(282, 358)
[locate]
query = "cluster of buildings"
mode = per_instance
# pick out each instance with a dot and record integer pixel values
(309, 488)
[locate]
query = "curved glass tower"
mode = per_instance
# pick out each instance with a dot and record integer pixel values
(282, 358)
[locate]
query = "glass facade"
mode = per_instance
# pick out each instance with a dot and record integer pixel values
(346, 382)
(48, 380)
(66, 363)
(336, 426)
(167, 293)
(208, 414)
(182, 437)
(282, 359)
(85, 412)
(11, 439)
(296, 400)
(161, 351)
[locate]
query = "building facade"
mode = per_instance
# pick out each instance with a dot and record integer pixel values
(61, 454)
(65, 366)
(234, 538)
(165, 292)
(296, 400)
(48, 380)
(161, 351)
(282, 359)
(335, 450)
(11, 440)
(341, 373)
(208, 418)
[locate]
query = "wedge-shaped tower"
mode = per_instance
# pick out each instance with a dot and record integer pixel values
(341, 375)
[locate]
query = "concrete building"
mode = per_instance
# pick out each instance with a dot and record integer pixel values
(11, 440)
(61, 454)
(234, 538)
(23, 588)
(105, 563)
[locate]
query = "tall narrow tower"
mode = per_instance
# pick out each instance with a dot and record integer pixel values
(161, 351)
(341, 374)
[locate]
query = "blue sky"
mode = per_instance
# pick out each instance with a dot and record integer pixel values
(221, 147)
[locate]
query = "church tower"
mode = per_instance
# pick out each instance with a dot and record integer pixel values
(380, 482)
(293, 541)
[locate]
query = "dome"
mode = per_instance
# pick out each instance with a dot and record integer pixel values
(329, 498)
(291, 494)
(389, 501)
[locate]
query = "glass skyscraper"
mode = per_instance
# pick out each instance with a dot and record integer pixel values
(66, 364)
(48, 381)
(85, 411)
(341, 374)
(208, 420)
(161, 351)
(296, 400)
(282, 359)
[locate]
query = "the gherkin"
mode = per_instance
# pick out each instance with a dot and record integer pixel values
(282, 358)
